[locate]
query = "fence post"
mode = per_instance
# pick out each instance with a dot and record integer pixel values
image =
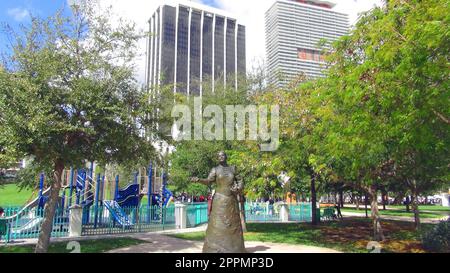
(75, 221)
(284, 212)
(180, 216)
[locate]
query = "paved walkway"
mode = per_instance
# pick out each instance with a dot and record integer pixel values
(33, 241)
(159, 243)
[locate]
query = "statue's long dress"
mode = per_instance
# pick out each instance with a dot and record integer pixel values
(224, 233)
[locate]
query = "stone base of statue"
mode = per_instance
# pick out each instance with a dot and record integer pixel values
(224, 233)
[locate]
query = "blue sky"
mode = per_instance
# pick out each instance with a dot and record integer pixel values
(16, 12)
(248, 12)
(211, 3)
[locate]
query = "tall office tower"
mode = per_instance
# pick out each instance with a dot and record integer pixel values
(193, 45)
(294, 29)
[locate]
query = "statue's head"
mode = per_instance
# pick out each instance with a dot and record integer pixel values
(222, 156)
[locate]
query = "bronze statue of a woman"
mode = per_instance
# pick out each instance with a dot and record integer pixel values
(224, 233)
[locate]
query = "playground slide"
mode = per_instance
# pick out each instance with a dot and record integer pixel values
(29, 206)
(32, 226)
(129, 196)
(167, 197)
(117, 213)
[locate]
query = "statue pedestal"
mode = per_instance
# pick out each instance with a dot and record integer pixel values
(284, 212)
(180, 216)
(75, 221)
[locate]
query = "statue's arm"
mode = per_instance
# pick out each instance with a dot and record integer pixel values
(238, 186)
(211, 178)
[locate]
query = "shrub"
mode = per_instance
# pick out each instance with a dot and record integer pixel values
(438, 238)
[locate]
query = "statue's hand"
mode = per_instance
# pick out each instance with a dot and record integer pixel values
(236, 189)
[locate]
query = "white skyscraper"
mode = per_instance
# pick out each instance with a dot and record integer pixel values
(294, 29)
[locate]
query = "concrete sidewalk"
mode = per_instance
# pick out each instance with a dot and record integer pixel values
(18, 242)
(160, 243)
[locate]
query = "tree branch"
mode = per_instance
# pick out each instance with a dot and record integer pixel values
(441, 116)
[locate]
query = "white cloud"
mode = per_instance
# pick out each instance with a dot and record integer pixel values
(249, 12)
(354, 7)
(140, 12)
(19, 14)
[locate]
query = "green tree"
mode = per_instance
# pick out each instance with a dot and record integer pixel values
(67, 95)
(385, 101)
(197, 157)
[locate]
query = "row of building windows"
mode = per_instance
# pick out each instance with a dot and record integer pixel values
(310, 55)
(191, 51)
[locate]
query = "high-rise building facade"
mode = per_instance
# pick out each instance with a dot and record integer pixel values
(294, 30)
(193, 45)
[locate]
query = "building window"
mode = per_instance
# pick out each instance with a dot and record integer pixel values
(310, 55)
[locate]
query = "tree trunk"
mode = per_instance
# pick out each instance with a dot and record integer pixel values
(376, 221)
(314, 219)
(357, 202)
(408, 201)
(341, 198)
(365, 204)
(383, 199)
(50, 209)
(415, 205)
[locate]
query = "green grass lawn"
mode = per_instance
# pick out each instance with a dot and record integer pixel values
(11, 196)
(350, 235)
(423, 207)
(88, 246)
(425, 211)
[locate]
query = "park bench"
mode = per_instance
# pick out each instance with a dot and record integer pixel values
(329, 214)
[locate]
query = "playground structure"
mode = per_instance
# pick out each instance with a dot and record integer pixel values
(266, 212)
(101, 199)
(291, 198)
(115, 204)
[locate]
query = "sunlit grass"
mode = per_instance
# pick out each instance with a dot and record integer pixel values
(87, 246)
(350, 235)
(429, 212)
(11, 195)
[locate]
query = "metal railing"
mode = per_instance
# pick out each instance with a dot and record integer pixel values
(197, 214)
(261, 212)
(264, 212)
(300, 212)
(102, 221)
(27, 223)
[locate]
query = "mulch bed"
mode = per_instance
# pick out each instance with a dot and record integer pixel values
(359, 233)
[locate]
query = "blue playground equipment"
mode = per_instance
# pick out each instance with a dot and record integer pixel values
(131, 196)
(25, 222)
(118, 213)
(81, 187)
(128, 196)
(166, 193)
